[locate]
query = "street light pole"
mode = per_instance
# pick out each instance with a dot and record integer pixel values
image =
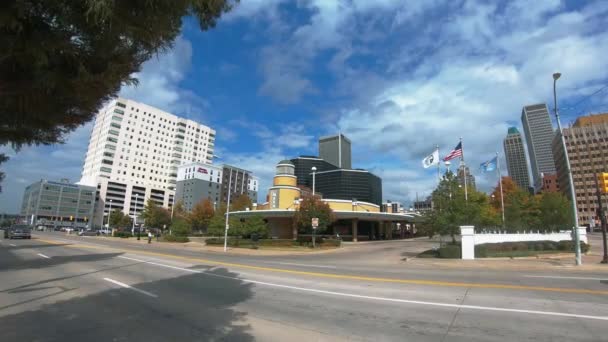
(314, 170)
(577, 247)
(227, 213)
(109, 215)
(134, 215)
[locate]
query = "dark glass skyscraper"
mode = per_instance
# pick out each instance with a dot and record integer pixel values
(336, 150)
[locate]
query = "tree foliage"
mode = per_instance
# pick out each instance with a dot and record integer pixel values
(201, 215)
(118, 219)
(180, 227)
(452, 211)
(179, 213)
(61, 60)
(155, 216)
(240, 203)
(312, 206)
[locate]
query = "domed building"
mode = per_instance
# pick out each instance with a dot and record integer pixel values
(355, 220)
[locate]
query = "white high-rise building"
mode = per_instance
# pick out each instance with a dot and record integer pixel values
(134, 153)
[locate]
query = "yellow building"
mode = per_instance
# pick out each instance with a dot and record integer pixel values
(355, 220)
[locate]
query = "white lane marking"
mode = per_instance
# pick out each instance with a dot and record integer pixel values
(12, 244)
(44, 256)
(296, 264)
(559, 277)
(384, 299)
(130, 287)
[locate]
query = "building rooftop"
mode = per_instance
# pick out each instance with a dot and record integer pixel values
(591, 120)
(513, 130)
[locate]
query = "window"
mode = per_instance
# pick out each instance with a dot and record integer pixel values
(118, 111)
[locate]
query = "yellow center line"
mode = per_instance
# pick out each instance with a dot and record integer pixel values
(346, 276)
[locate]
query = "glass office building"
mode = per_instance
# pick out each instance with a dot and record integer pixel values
(346, 184)
(335, 183)
(58, 204)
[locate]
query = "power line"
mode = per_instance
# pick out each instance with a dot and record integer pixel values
(586, 98)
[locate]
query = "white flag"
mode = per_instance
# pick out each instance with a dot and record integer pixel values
(431, 159)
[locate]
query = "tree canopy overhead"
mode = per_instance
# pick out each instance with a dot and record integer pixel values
(61, 60)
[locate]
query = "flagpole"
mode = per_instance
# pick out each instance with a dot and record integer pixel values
(464, 172)
(502, 200)
(438, 166)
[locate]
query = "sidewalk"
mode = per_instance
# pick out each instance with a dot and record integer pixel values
(192, 245)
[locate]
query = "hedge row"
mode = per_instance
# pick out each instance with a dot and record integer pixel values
(122, 234)
(486, 249)
(173, 238)
(275, 242)
(503, 249)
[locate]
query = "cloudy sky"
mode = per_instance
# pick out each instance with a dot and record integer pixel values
(395, 76)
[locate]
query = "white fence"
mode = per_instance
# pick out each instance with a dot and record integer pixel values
(469, 238)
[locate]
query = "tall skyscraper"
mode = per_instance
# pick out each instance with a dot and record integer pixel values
(539, 135)
(587, 144)
(134, 153)
(336, 150)
(464, 171)
(516, 158)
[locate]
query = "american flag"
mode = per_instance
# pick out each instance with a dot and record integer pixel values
(456, 152)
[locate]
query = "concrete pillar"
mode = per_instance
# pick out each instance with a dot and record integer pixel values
(389, 230)
(467, 234)
(355, 223)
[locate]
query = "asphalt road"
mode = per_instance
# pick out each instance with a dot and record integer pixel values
(60, 288)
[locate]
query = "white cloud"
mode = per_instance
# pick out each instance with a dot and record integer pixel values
(159, 83)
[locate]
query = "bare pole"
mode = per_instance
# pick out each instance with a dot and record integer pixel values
(577, 247)
(227, 213)
(502, 199)
(464, 172)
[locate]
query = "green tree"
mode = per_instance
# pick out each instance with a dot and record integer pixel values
(452, 211)
(55, 49)
(201, 215)
(119, 220)
(180, 227)
(240, 203)
(256, 225)
(179, 213)
(155, 216)
(555, 212)
(217, 225)
(313, 207)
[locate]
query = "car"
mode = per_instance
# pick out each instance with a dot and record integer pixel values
(20, 231)
(83, 232)
(105, 231)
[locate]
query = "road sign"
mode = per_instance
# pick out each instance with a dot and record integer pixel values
(315, 222)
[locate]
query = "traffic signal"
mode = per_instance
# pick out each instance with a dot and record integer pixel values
(603, 180)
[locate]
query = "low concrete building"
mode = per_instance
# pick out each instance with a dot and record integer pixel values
(200, 181)
(355, 220)
(58, 204)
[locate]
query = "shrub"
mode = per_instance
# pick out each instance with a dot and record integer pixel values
(332, 242)
(122, 234)
(481, 251)
(450, 252)
(276, 242)
(173, 238)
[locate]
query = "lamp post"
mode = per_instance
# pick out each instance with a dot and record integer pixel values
(577, 247)
(109, 215)
(314, 171)
(134, 213)
(227, 213)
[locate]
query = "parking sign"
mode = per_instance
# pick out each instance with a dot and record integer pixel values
(315, 222)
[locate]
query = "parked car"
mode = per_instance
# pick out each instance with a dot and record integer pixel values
(83, 232)
(105, 231)
(20, 231)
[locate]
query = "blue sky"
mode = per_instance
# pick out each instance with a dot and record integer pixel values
(395, 76)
